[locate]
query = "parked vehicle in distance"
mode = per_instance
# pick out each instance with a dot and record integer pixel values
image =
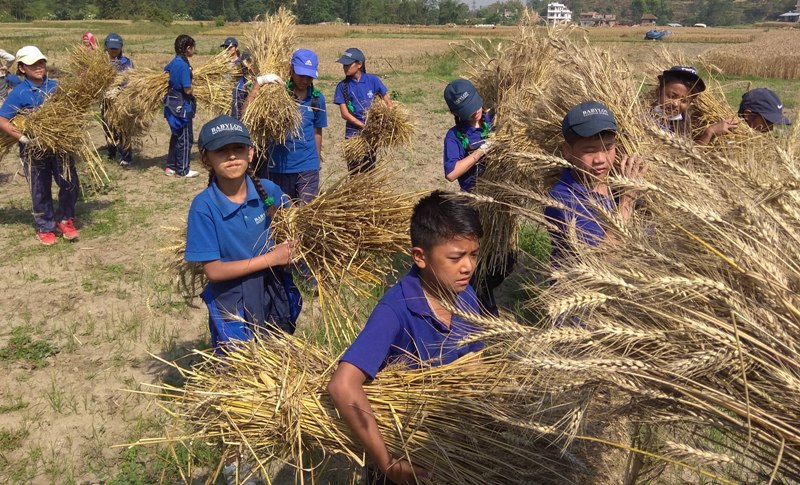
(700, 25)
(675, 24)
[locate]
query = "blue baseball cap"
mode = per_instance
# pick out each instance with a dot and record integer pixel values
(351, 55)
(223, 130)
(113, 41)
(764, 102)
(462, 98)
(305, 63)
(230, 41)
(588, 119)
(687, 74)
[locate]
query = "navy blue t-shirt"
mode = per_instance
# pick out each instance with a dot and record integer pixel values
(454, 151)
(299, 153)
(402, 327)
(580, 209)
(360, 94)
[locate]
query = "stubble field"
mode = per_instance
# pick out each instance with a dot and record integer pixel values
(82, 322)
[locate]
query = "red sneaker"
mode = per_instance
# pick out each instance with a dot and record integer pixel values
(68, 230)
(46, 238)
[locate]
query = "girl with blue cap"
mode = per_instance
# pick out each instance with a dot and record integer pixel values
(295, 164)
(354, 95)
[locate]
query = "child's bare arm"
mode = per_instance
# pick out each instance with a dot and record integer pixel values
(227, 270)
(462, 166)
(722, 127)
(9, 129)
(347, 392)
(318, 141)
(349, 117)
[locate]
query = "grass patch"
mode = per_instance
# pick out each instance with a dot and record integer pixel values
(441, 65)
(535, 241)
(17, 404)
(408, 96)
(11, 440)
(23, 346)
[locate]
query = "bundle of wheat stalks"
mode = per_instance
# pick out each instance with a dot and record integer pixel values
(347, 236)
(190, 279)
(138, 95)
(689, 313)
(59, 125)
(385, 129)
(272, 115)
(464, 421)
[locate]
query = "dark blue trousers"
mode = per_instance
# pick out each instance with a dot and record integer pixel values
(116, 145)
(180, 148)
(40, 173)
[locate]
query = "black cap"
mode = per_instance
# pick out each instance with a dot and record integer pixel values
(462, 98)
(223, 130)
(588, 119)
(113, 41)
(350, 56)
(230, 41)
(764, 102)
(687, 74)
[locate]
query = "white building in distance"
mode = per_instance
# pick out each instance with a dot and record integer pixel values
(558, 13)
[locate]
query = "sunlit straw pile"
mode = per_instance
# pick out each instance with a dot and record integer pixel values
(190, 280)
(132, 108)
(464, 421)
(384, 129)
(689, 312)
(272, 115)
(59, 126)
(348, 235)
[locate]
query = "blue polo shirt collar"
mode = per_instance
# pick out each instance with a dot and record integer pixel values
(417, 303)
(33, 87)
(227, 206)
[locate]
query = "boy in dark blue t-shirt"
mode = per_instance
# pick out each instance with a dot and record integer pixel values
(410, 324)
(590, 133)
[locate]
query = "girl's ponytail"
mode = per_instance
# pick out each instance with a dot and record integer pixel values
(261, 192)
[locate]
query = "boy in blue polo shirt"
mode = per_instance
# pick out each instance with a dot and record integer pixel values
(410, 324)
(354, 95)
(179, 109)
(761, 109)
(590, 133)
(117, 146)
(295, 165)
(40, 172)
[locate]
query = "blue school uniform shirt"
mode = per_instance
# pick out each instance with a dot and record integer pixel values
(180, 77)
(13, 80)
(299, 153)
(581, 203)
(122, 63)
(454, 151)
(360, 93)
(403, 325)
(27, 96)
(219, 229)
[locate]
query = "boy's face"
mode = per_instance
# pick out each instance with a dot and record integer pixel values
(593, 156)
(36, 71)
(448, 265)
(230, 161)
(756, 121)
(674, 98)
(114, 53)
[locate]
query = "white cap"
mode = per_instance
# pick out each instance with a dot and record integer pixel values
(29, 55)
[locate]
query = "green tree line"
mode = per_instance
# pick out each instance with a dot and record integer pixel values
(711, 12)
